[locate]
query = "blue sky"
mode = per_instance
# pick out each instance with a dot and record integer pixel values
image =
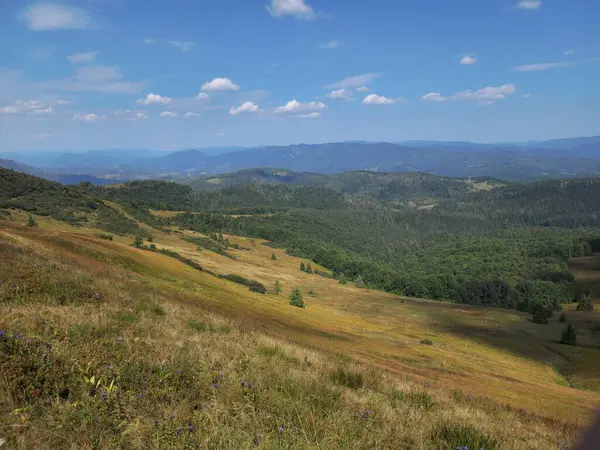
(160, 74)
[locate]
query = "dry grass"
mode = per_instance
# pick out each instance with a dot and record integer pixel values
(168, 332)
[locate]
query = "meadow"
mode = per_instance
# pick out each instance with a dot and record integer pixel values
(105, 345)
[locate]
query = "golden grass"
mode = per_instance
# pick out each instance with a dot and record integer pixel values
(140, 335)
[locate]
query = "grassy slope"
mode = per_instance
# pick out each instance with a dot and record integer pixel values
(140, 327)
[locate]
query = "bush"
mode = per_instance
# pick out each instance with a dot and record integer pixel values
(562, 318)
(427, 342)
(108, 237)
(302, 267)
(31, 222)
(360, 283)
(253, 285)
(138, 242)
(585, 302)
(296, 298)
(309, 269)
(273, 257)
(277, 287)
(569, 336)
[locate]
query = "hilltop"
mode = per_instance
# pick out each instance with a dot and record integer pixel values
(144, 342)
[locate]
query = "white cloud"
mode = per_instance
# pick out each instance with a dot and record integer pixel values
(355, 81)
(54, 16)
(62, 102)
(244, 108)
(569, 52)
(91, 117)
(362, 89)
(9, 110)
(154, 99)
(43, 111)
(375, 99)
(80, 58)
(434, 97)
(106, 79)
(330, 44)
(39, 136)
(149, 41)
(312, 115)
(487, 94)
(544, 66)
(220, 84)
(527, 96)
(191, 114)
(219, 133)
(529, 4)
(183, 46)
(168, 114)
(202, 96)
(296, 8)
(141, 116)
(296, 107)
(341, 94)
(468, 61)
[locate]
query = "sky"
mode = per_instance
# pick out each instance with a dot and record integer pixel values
(158, 74)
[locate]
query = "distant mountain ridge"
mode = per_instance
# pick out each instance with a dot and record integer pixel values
(561, 158)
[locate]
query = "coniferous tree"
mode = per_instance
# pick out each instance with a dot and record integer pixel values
(31, 222)
(562, 318)
(302, 268)
(138, 242)
(277, 287)
(360, 282)
(569, 336)
(296, 298)
(273, 257)
(309, 268)
(585, 302)
(342, 279)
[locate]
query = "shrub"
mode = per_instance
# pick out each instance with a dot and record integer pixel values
(541, 313)
(302, 267)
(569, 336)
(347, 378)
(296, 298)
(309, 268)
(562, 318)
(252, 285)
(277, 287)
(108, 237)
(273, 257)
(585, 302)
(360, 282)
(427, 341)
(138, 242)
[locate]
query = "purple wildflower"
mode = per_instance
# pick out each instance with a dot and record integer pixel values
(178, 432)
(155, 422)
(191, 428)
(140, 395)
(216, 386)
(280, 429)
(243, 382)
(104, 395)
(108, 366)
(2, 333)
(469, 397)
(365, 414)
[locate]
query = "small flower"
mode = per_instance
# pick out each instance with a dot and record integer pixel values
(140, 395)
(108, 366)
(216, 386)
(365, 414)
(2, 333)
(178, 431)
(104, 395)
(469, 397)
(280, 429)
(191, 428)
(243, 382)
(155, 423)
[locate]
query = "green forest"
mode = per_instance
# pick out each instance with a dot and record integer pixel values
(505, 246)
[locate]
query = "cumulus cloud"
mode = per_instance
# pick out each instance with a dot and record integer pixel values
(569, 52)
(9, 110)
(296, 8)
(468, 61)
(168, 114)
(375, 99)
(219, 84)
(62, 102)
(202, 96)
(149, 41)
(527, 96)
(141, 116)
(54, 16)
(330, 44)
(90, 117)
(80, 58)
(48, 111)
(434, 97)
(341, 94)
(362, 89)
(354, 82)
(244, 108)
(186, 46)
(27, 106)
(529, 4)
(544, 66)
(312, 115)
(191, 114)
(154, 99)
(296, 107)
(487, 94)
